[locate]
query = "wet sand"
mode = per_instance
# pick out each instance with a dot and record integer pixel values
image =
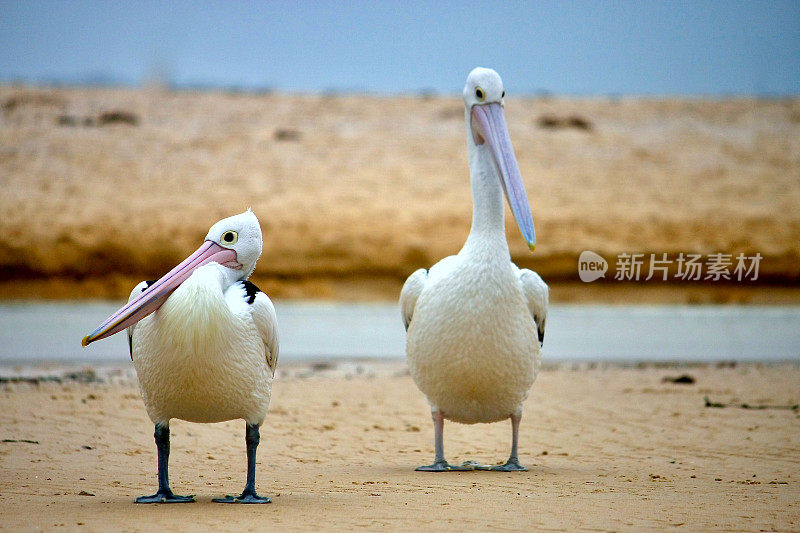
(355, 192)
(609, 448)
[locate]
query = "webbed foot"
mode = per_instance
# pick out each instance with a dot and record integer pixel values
(512, 465)
(244, 497)
(164, 497)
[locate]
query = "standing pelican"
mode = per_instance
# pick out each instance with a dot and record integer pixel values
(204, 342)
(475, 322)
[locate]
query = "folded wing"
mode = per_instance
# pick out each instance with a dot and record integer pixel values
(537, 295)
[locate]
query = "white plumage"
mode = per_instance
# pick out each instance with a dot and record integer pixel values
(475, 322)
(206, 355)
(473, 346)
(204, 342)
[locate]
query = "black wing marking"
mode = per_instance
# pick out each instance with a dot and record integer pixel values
(130, 337)
(251, 290)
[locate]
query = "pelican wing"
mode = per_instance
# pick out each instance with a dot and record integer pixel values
(537, 296)
(411, 291)
(265, 319)
(137, 290)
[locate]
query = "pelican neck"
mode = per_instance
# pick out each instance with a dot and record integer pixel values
(488, 210)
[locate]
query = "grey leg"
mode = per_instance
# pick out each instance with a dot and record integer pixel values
(440, 464)
(512, 465)
(248, 495)
(164, 494)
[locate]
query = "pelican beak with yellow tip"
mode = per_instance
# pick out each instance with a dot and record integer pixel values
(488, 126)
(157, 293)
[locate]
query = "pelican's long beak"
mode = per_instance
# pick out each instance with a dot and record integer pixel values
(489, 125)
(157, 293)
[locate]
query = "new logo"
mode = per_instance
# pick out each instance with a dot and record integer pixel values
(591, 266)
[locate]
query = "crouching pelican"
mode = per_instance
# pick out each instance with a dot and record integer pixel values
(204, 342)
(474, 321)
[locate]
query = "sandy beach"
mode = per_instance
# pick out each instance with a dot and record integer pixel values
(658, 147)
(609, 449)
(105, 187)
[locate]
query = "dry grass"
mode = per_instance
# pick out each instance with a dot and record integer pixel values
(354, 192)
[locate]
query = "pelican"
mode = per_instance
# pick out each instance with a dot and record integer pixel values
(204, 342)
(474, 321)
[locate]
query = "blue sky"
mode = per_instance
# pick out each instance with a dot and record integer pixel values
(714, 47)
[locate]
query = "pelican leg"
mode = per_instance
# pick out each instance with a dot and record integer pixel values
(248, 495)
(512, 465)
(440, 464)
(164, 494)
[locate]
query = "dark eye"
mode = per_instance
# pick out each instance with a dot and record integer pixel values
(230, 237)
(503, 95)
(479, 94)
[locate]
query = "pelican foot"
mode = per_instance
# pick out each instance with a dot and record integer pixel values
(512, 465)
(245, 497)
(444, 466)
(164, 497)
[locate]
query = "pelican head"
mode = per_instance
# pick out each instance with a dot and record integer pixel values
(233, 243)
(241, 234)
(488, 136)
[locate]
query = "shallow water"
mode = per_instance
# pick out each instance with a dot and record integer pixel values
(36, 331)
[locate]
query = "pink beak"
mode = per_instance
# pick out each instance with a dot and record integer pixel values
(157, 293)
(489, 125)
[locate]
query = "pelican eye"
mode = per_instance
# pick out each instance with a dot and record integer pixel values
(503, 95)
(230, 237)
(479, 94)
